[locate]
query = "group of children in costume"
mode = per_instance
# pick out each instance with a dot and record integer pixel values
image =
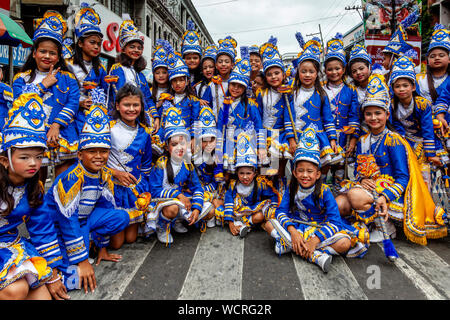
(216, 140)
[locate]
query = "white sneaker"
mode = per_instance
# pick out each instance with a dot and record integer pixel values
(178, 227)
(211, 223)
(324, 261)
(280, 249)
(243, 231)
(377, 235)
(164, 236)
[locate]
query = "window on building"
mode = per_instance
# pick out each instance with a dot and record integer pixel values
(155, 32)
(122, 6)
(148, 26)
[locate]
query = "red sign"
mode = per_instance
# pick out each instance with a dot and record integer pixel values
(112, 41)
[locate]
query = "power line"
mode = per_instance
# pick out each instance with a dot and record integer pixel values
(281, 26)
(214, 3)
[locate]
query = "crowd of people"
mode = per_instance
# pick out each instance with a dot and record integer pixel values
(326, 157)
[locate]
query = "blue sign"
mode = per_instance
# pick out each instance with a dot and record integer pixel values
(20, 55)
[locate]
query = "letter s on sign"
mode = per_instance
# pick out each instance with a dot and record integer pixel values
(109, 45)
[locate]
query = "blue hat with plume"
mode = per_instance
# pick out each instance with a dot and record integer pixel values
(270, 55)
(87, 21)
(159, 58)
(191, 42)
(25, 127)
(397, 44)
(254, 49)
(377, 93)
(177, 66)
(359, 52)
(52, 26)
(227, 46)
(174, 124)
(241, 71)
(128, 32)
(210, 52)
(335, 49)
(207, 127)
(311, 51)
(403, 67)
(440, 38)
(96, 132)
(308, 148)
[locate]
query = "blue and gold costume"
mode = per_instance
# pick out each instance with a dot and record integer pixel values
(6, 99)
(82, 203)
(119, 74)
(87, 23)
(61, 99)
(33, 258)
(131, 149)
(215, 93)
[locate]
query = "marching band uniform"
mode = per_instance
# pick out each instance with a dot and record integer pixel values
(119, 74)
(213, 93)
(414, 122)
(235, 116)
(131, 147)
(322, 212)
(33, 258)
(6, 99)
(241, 202)
(81, 202)
(400, 182)
(272, 105)
(306, 107)
(185, 181)
(87, 23)
(61, 99)
(191, 43)
(343, 98)
(209, 53)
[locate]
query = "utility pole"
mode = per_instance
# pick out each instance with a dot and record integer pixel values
(393, 18)
(317, 33)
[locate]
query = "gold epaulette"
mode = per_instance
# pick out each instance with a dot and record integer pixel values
(21, 75)
(161, 162)
(392, 139)
(68, 73)
(420, 76)
(422, 103)
(115, 66)
(146, 128)
(75, 176)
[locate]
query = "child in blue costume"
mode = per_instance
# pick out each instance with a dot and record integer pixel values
(208, 65)
(389, 182)
(81, 202)
(343, 101)
(85, 63)
(204, 159)
(412, 115)
(218, 87)
(309, 104)
(6, 99)
(272, 104)
(237, 112)
(251, 199)
(129, 70)
(181, 94)
(58, 89)
(191, 52)
(308, 220)
(130, 158)
(359, 68)
(174, 184)
(26, 264)
(434, 85)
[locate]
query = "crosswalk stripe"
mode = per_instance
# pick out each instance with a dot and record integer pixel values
(108, 273)
(418, 280)
(433, 267)
(218, 260)
(338, 284)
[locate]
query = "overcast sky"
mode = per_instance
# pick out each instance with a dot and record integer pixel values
(254, 21)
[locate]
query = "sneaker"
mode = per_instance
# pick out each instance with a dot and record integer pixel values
(377, 235)
(280, 249)
(211, 223)
(164, 236)
(243, 231)
(178, 227)
(324, 261)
